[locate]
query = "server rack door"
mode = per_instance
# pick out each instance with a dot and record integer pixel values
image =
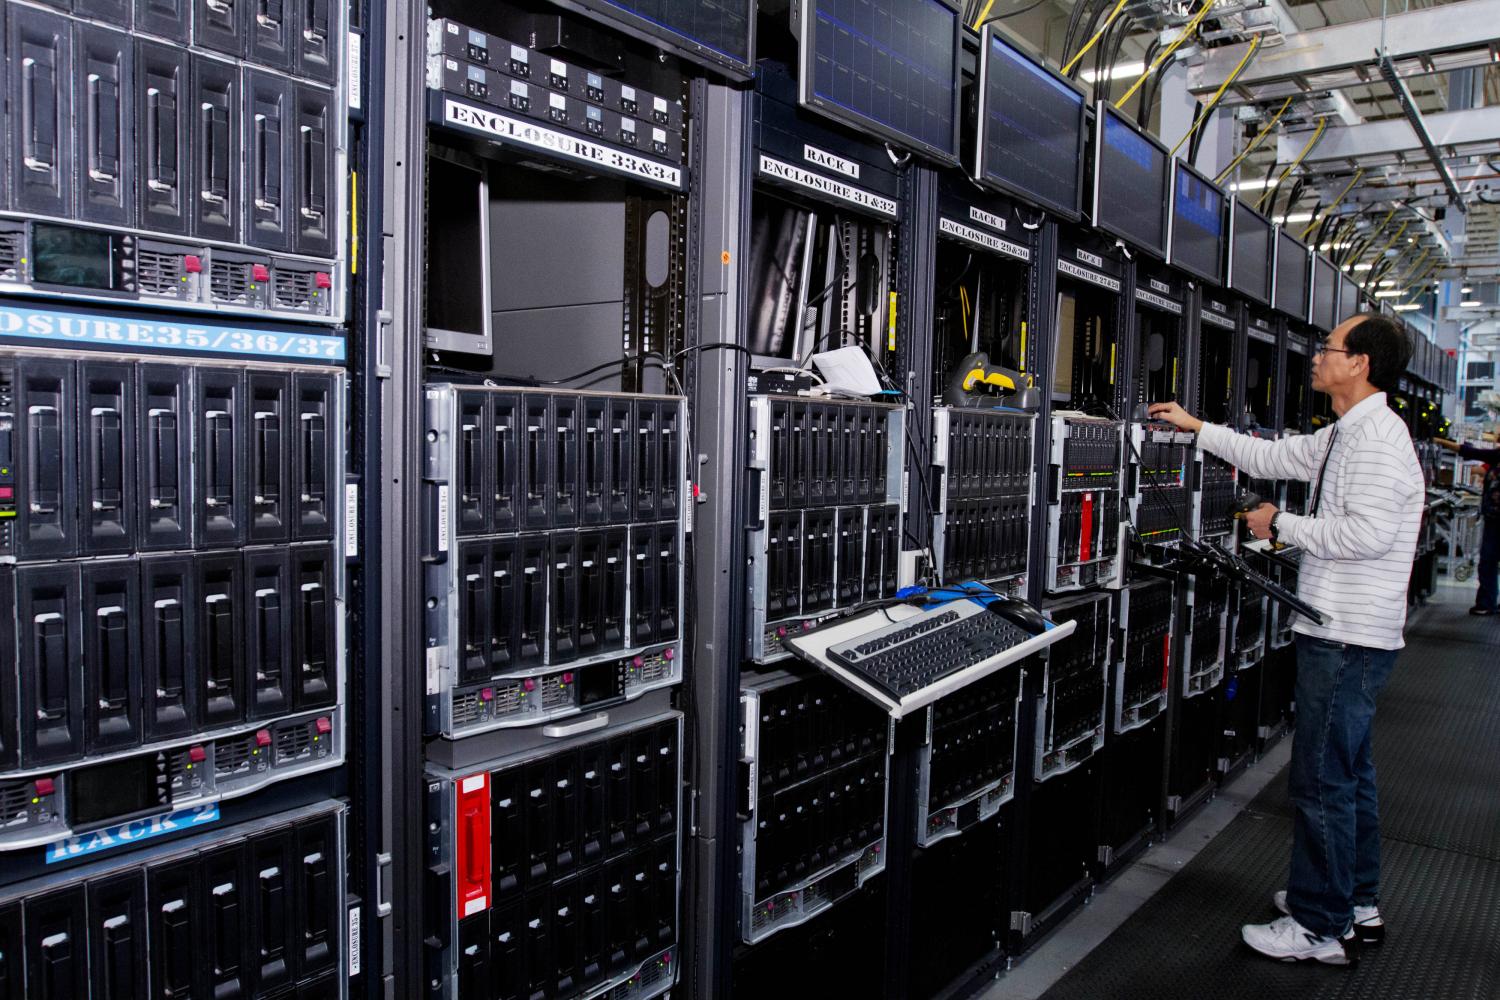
(225, 933)
(165, 448)
(221, 25)
(504, 461)
(269, 605)
(170, 661)
(269, 131)
(220, 439)
(47, 488)
(315, 457)
(103, 71)
(56, 949)
(40, 49)
(111, 655)
(314, 631)
(175, 923)
(162, 104)
(215, 123)
(272, 427)
(107, 452)
(315, 901)
(51, 663)
(163, 18)
(317, 56)
(221, 635)
(272, 959)
(117, 936)
(271, 26)
(475, 468)
(314, 160)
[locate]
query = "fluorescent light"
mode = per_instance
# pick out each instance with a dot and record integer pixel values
(1406, 307)
(1470, 302)
(1465, 290)
(1363, 267)
(1298, 217)
(1387, 283)
(1120, 72)
(1389, 293)
(1252, 186)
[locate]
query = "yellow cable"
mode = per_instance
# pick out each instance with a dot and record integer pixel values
(1187, 32)
(1098, 35)
(1214, 100)
(1253, 142)
(982, 15)
(1271, 191)
(1392, 242)
(1320, 216)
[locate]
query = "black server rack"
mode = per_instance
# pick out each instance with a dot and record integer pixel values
(981, 529)
(813, 774)
(1199, 669)
(188, 158)
(175, 548)
(1084, 524)
(967, 766)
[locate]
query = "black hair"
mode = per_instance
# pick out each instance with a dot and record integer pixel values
(1385, 343)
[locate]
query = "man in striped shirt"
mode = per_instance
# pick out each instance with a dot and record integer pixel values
(1358, 541)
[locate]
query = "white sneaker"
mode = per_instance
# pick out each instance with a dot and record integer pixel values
(1368, 926)
(1288, 941)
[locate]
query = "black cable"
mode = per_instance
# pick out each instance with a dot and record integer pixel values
(723, 345)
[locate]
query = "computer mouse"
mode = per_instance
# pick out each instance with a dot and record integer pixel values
(1020, 614)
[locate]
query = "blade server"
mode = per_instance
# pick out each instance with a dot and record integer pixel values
(1209, 635)
(172, 573)
(1162, 495)
(1213, 504)
(982, 525)
(555, 871)
(968, 763)
(1071, 714)
(1247, 639)
(554, 532)
(1147, 620)
(186, 156)
(826, 490)
(253, 910)
(814, 771)
(1083, 514)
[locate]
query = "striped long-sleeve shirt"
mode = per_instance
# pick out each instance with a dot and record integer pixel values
(1358, 550)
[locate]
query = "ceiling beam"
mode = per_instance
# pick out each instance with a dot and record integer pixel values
(1373, 144)
(1419, 129)
(1433, 39)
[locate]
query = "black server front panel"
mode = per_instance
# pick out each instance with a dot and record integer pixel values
(1216, 498)
(254, 910)
(554, 532)
(189, 156)
(814, 772)
(554, 872)
(1071, 714)
(982, 527)
(826, 510)
(1161, 507)
(173, 546)
(1146, 621)
(1206, 657)
(968, 766)
(1083, 513)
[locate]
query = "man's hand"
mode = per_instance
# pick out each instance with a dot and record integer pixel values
(1259, 520)
(1176, 416)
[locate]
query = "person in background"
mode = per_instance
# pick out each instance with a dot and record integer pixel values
(1489, 512)
(1358, 541)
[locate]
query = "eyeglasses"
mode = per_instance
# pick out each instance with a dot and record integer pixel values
(1325, 349)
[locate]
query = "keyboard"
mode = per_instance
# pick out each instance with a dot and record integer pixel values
(916, 652)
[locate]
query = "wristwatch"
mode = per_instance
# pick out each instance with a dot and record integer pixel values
(1274, 536)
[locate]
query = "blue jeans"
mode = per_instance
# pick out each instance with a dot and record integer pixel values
(1489, 563)
(1336, 830)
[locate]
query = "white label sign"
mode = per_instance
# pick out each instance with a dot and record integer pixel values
(823, 158)
(1214, 319)
(971, 235)
(570, 147)
(792, 174)
(1084, 274)
(984, 218)
(1152, 299)
(1090, 258)
(351, 520)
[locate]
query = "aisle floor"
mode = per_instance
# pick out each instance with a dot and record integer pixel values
(1437, 750)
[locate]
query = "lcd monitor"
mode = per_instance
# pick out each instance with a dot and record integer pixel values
(885, 67)
(1250, 250)
(1197, 225)
(1291, 275)
(1031, 128)
(1325, 294)
(1132, 193)
(719, 34)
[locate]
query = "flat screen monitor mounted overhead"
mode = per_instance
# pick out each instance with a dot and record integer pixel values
(1291, 275)
(1325, 294)
(1197, 224)
(1132, 186)
(1031, 128)
(885, 67)
(1349, 303)
(719, 34)
(1250, 253)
